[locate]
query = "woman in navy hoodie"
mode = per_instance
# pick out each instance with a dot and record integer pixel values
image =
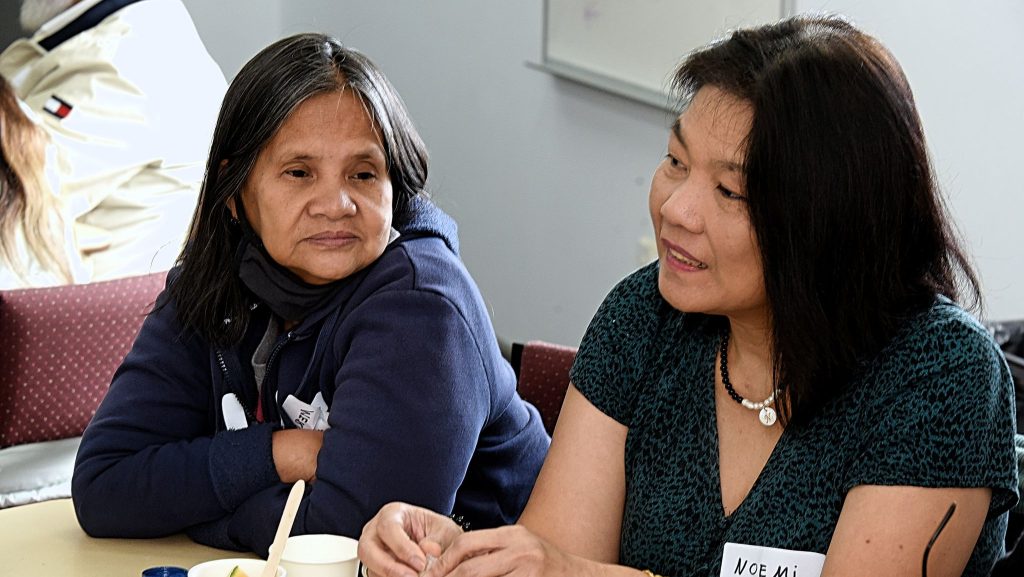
(319, 326)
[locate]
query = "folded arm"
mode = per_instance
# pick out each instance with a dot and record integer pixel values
(411, 399)
(150, 463)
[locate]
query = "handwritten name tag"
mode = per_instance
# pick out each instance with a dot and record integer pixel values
(753, 561)
(307, 416)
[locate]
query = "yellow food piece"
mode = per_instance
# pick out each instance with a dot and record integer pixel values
(237, 572)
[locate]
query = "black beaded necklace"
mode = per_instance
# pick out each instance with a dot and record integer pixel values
(767, 414)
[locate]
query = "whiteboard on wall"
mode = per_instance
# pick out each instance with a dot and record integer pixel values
(631, 47)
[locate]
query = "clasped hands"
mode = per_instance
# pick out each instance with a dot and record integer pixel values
(407, 541)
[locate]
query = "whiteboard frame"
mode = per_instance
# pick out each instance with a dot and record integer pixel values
(642, 94)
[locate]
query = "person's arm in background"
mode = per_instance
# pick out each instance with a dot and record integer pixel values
(412, 397)
(132, 142)
(1018, 442)
(150, 464)
(134, 103)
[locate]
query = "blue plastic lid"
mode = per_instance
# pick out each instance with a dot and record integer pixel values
(166, 571)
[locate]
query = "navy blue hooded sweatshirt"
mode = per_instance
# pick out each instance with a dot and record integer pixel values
(422, 408)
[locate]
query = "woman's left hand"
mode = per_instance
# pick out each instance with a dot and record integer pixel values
(295, 454)
(513, 551)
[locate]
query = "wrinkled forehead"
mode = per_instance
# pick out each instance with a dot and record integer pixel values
(365, 106)
(321, 109)
(337, 118)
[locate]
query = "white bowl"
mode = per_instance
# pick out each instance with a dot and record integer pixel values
(320, 555)
(223, 567)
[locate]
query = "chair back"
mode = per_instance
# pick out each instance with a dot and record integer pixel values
(542, 370)
(59, 348)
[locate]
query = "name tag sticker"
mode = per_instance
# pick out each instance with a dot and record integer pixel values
(753, 561)
(307, 416)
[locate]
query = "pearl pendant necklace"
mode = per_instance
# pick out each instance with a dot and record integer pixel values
(766, 414)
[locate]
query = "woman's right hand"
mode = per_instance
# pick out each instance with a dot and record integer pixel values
(398, 541)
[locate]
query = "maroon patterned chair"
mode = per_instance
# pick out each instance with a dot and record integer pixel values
(542, 370)
(59, 348)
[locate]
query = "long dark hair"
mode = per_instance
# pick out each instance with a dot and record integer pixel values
(263, 94)
(853, 233)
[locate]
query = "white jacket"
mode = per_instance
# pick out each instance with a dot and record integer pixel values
(130, 103)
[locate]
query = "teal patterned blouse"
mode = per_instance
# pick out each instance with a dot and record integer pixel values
(934, 409)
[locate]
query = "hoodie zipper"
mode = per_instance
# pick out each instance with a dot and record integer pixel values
(249, 415)
(264, 389)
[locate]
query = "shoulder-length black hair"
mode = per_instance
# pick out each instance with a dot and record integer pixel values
(853, 233)
(266, 90)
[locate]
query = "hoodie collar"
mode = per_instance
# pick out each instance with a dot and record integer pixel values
(427, 220)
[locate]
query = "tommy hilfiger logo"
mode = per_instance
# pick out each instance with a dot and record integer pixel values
(57, 107)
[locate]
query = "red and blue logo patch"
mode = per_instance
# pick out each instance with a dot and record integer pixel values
(57, 107)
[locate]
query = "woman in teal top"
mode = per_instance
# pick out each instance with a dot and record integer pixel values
(791, 389)
(930, 410)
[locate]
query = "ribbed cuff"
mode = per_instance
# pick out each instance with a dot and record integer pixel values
(242, 464)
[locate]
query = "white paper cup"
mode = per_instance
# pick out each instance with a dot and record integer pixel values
(223, 567)
(320, 556)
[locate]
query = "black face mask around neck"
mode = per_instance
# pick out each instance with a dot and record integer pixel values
(290, 297)
(287, 295)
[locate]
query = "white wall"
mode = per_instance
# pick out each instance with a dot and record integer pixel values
(548, 179)
(235, 30)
